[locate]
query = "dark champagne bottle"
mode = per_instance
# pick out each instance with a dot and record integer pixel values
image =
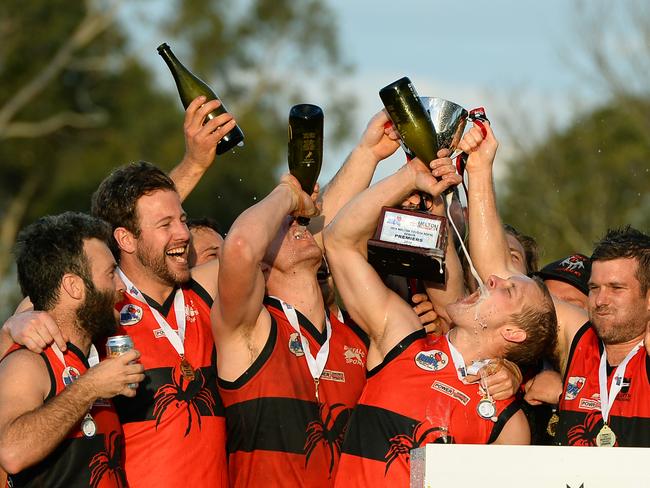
(410, 119)
(305, 152)
(191, 86)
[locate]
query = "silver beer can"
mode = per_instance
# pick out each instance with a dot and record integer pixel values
(118, 345)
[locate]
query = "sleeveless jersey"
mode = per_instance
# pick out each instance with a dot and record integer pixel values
(79, 461)
(579, 408)
(174, 429)
(412, 398)
(278, 435)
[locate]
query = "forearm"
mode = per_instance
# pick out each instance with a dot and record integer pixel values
(487, 242)
(34, 435)
(186, 175)
(357, 221)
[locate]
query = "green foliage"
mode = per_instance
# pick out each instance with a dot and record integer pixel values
(579, 182)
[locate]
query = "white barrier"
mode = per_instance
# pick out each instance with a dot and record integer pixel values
(458, 465)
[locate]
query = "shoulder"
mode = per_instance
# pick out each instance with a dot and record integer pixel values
(22, 369)
(206, 276)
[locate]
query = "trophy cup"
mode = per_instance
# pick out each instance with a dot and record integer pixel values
(408, 242)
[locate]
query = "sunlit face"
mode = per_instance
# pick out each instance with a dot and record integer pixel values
(568, 293)
(97, 314)
(617, 309)
(517, 254)
(163, 244)
(505, 298)
(287, 251)
(205, 245)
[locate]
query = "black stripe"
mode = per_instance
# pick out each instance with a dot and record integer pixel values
(501, 422)
(77, 352)
(201, 292)
(52, 393)
(282, 424)
(142, 406)
(165, 307)
(371, 429)
(319, 336)
(397, 350)
(257, 364)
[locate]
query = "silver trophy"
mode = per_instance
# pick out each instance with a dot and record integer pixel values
(412, 243)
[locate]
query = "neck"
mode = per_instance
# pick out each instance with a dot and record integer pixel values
(472, 347)
(67, 322)
(145, 281)
(617, 352)
(301, 290)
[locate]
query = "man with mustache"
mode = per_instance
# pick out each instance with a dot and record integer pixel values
(57, 426)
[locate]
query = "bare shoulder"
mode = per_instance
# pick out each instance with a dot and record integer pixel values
(207, 275)
(21, 372)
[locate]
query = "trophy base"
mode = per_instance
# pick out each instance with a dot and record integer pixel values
(411, 262)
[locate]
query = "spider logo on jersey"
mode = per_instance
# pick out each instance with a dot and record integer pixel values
(328, 430)
(402, 444)
(108, 462)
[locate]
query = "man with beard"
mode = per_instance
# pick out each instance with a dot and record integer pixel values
(57, 426)
(174, 428)
(606, 393)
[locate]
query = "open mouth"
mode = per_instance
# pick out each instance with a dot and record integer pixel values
(178, 254)
(471, 299)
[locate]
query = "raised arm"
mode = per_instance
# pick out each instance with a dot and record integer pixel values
(376, 144)
(239, 321)
(382, 313)
(200, 143)
(488, 246)
(30, 429)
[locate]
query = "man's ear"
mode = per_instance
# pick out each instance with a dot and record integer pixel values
(73, 286)
(513, 334)
(125, 239)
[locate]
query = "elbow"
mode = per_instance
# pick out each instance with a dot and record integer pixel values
(238, 248)
(11, 460)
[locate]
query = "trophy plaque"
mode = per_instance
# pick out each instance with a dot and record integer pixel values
(409, 243)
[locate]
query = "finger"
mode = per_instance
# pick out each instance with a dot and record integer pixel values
(129, 356)
(31, 345)
(472, 378)
(205, 109)
(193, 107)
(443, 153)
(217, 134)
(41, 338)
(55, 333)
(128, 392)
(215, 123)
(135, 378)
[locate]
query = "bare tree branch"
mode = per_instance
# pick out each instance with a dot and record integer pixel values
(52, 124)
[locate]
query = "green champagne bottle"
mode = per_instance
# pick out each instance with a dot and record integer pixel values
(191, 86)
(410, 119)
(305, 152)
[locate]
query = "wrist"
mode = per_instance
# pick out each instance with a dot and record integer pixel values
(291, 195)
(365, 154)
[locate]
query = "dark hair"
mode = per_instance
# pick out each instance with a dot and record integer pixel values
(116, 198)
(531, 248)
(540, 325)
(626, 242)
(51, 247)
(207, 222)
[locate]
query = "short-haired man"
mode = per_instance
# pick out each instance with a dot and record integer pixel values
(57, 424)
(427, 399)
(606, 393)
(206, 240)
(568, 279)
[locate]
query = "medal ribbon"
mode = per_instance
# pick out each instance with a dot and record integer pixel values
(607, 399)
(459, 362)
(176, 339)
(316, 365)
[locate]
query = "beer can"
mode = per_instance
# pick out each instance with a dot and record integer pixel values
(118, 345)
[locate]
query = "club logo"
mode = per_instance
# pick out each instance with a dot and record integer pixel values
(433, 360)
(70, 374)
(130, 314)
(295, 345)
(190, 312)
(574, 386)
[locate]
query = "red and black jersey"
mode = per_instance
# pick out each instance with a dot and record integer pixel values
(579, 408)
(412, 398)
(79, 461)
(174, 429)
(278, 435)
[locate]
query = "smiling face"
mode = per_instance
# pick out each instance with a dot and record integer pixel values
(163, 243)
(617, 307)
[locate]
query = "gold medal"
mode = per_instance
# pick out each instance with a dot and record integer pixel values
(606, 437)
(551, 428)
(187, 370)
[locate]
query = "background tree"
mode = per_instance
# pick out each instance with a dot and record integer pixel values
(569, 188)
(78, 101)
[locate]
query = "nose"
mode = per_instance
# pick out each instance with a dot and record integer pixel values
(120, 287)
(599, 296)
(493, 281)
(181, 232)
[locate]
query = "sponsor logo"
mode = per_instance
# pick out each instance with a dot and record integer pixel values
(573, 263)
(433, 360)
(590, 403)
(130, 314)
(70, 373)
(574, 385)
(295, 346)
(338, 376)
(158, 333)
(353, 355)
(450, 391)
